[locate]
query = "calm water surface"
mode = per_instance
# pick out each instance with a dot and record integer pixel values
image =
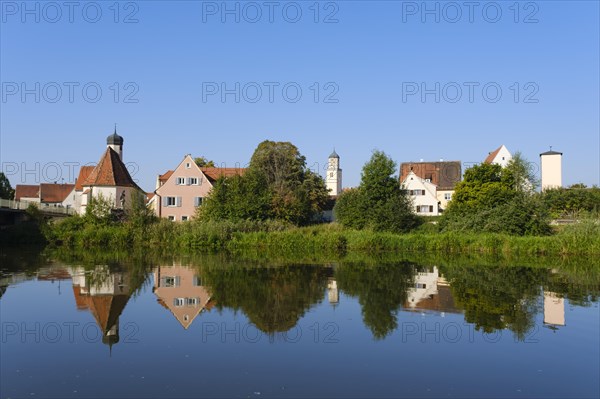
(215, 327)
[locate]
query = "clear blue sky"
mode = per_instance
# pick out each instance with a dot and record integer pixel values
(371, 55)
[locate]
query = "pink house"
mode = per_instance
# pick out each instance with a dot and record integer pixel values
(179, 192)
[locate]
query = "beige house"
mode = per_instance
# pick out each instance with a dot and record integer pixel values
(179, 192)
(180, 289)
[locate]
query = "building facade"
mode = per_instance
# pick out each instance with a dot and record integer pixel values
(181, 191)
(551, 165)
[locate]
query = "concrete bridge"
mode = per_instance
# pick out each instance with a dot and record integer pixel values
(14, 212)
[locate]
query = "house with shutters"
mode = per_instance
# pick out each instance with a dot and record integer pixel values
(430, 184)
(180, 290)
(180, 191)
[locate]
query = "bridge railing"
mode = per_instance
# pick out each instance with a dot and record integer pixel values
(23, 205)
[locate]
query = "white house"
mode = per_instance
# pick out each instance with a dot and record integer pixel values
(501, 156)
(423, 194)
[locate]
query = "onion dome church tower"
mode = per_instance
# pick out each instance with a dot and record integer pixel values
(115, 142)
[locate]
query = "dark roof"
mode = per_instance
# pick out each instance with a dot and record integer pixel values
(55, 192)
(334, 155)
(114, 139)
(551, 153)
(26, 191)
(110, 171)
(444, 174)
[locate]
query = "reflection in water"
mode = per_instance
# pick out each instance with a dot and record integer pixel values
(431, 292)
(104, 293)
(554, 309)
(180, 289)
(274, 299)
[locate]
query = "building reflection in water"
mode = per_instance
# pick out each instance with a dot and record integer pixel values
(333, 294)
(180, 290)
(431, 292)
(104, 294)
(554, 309)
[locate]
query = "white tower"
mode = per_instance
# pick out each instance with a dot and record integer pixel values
(334, 175)
(551, 165)
(115, 142)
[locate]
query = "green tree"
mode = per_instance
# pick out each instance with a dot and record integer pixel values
(276, 185)
(379, 203)
(498, 200)
(6, 190)
(204, 162)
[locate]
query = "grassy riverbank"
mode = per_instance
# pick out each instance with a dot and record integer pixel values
(582, 239)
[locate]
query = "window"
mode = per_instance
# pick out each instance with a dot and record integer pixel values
(188, 165)
(197, 201)
(197, 281)
(180, 181)
(171, 218)
(178, 302)
(448, 196)
(331, 174)
(184, 218)
(425, 208)
(420, 285)
(170, 281)
(171, 201)
(192, 301)
(193, 181)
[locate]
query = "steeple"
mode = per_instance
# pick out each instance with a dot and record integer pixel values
(334, 174)
(115, 142)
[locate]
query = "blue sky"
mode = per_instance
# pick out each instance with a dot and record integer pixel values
(365, 66)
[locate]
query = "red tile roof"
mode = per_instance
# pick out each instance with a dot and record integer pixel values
(26, 191)
(213, 174)
(165, 177)
(84, 172)
(490, 158)
(55, 192)
(110, 171)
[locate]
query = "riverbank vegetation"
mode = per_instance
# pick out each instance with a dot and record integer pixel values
(275, 207)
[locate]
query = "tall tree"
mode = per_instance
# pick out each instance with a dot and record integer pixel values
(276, 185)
(6, 190)
(379, 202)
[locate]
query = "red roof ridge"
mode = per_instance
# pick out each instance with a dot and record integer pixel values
(492, 155)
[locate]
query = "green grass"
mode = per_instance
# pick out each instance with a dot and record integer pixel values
(329, 239)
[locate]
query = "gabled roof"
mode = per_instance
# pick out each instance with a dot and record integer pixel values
(55, 192)
(26, 191)
(490, 158)
(444, 174)
(84, 172)
(110, 171)
(164, 177)
(213, 174)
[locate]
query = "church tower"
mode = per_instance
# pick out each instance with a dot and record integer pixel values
(115, 142)
(334, 175)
